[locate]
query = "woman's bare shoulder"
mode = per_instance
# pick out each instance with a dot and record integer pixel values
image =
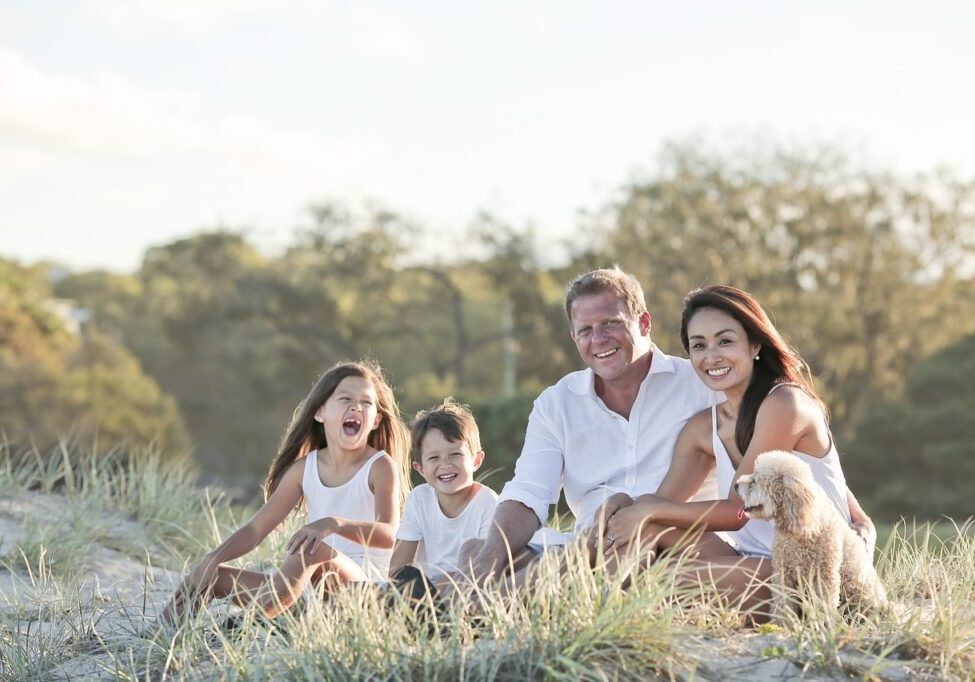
(698, 428)
(791, 400)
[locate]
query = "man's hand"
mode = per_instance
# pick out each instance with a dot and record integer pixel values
(309, 537)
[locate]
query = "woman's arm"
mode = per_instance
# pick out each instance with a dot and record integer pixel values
(380, 533)
(693, 459)
(784, 418)
(861, 523)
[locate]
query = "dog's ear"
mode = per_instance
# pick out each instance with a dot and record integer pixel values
(796, 502)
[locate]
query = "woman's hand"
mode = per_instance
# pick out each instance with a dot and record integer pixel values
(309, 537)
(625, 525)
(865, 529)
(605, 512)
(861, 523)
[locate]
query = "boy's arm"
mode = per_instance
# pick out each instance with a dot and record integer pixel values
(409, 534)
(404, 552)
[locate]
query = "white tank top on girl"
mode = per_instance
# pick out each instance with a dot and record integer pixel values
(351, 500)
(755, 537)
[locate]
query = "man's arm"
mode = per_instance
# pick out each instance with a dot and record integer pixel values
(514, 524)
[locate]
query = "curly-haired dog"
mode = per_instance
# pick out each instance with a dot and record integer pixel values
(813, 545)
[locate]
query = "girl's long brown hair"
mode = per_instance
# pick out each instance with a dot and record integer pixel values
(778, 361)
(304, 434)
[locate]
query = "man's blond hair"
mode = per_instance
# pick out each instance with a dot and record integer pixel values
(614, 280)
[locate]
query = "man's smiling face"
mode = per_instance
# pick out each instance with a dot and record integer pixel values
(608, 339)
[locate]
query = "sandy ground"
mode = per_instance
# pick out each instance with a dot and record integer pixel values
(113, 596)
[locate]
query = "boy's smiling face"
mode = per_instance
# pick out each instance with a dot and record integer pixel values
(447, 465)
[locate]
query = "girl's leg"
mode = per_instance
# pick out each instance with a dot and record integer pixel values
(190, 595)
(283, 587)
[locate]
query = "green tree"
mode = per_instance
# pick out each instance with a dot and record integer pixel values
(916, 455)
(858, 268)
(54, 382)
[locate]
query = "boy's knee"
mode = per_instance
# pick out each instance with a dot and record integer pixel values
(471, 547)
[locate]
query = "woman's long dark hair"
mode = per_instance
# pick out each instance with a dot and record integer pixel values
(778, 362)
(304, 434)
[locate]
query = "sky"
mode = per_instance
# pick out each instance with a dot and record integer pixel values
(131, 123)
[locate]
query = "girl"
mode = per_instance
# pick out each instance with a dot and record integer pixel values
(345, 455)
(771, 405)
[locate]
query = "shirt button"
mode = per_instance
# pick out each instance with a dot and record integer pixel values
(630, 479)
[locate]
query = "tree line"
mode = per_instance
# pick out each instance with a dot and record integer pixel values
(211, 343)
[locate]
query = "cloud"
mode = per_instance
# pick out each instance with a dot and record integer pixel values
(361, 28)
(132, 18)
(378, 34)
(46, 115)
(101, 114)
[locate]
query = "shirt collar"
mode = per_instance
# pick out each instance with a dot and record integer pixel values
(583, 383)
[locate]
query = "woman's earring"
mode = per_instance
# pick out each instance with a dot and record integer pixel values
(756, 357)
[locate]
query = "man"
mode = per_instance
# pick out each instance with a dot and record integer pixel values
(606, 433)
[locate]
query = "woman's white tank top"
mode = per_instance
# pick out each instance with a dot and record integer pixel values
(755, 537)
(351, 500)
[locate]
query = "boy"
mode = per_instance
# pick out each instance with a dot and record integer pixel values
(450, 510)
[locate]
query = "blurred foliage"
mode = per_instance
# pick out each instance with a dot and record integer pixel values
(865, 272)
(858, 269)
(502, 424)
(916, 454)
(56, 383)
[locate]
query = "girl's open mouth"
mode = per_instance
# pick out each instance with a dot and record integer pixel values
(351, 426)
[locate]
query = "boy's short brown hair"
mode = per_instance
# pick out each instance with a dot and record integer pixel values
(450, 418)
(613, 280)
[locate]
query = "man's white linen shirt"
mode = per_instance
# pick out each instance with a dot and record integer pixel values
(574, 441)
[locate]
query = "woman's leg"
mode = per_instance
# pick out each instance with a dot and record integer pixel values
(712, 564)
(743, 582)
(656, 539)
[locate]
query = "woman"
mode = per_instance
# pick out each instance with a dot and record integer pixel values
(771, 405)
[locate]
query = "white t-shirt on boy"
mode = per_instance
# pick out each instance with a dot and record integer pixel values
(441, 537)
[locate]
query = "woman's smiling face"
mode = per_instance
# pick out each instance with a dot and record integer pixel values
(720, 350)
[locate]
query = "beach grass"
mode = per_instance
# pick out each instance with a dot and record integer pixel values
(70, 510)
